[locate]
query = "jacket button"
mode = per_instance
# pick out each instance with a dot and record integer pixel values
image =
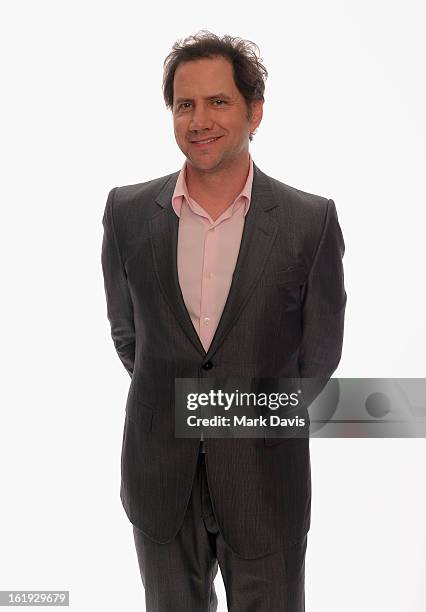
(207, 366)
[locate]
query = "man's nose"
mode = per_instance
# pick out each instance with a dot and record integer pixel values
(200, 119)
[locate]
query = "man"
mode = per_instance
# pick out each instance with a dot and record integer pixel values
(214, 271)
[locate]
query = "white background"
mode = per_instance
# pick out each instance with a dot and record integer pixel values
(83, 112)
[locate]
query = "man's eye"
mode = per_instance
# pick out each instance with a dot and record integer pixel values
(220, 101)
(184, 105)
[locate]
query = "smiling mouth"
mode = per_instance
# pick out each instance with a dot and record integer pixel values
(207, 141)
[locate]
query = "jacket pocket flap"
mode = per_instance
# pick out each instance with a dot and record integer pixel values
(140, 413)
(293, 275)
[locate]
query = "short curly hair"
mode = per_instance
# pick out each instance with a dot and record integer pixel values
(249, 72)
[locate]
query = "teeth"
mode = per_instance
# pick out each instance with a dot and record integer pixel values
(205, 141)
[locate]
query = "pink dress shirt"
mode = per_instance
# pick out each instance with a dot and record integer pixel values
(207, 253)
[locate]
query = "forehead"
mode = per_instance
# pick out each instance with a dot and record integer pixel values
(203, 76)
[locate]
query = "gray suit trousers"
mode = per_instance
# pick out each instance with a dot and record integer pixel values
(178, 576)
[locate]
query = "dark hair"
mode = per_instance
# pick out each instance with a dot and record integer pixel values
(249, 72)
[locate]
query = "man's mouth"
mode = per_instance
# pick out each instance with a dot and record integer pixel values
(204, 142)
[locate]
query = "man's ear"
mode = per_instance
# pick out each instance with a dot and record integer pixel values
(256, 114)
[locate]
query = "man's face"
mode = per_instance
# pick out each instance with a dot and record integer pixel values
(207, 105)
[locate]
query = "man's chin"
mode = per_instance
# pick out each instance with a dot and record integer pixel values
(205, 164)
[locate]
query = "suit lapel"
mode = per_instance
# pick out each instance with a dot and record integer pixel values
(258, 236)
(164, 237)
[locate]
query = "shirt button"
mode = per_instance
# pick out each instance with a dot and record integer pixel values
(206, 320)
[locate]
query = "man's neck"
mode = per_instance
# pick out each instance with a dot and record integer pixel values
(216, 191)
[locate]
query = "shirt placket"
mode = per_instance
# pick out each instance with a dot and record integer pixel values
(208, 292)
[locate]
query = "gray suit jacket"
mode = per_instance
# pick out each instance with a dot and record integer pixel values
(283, 318)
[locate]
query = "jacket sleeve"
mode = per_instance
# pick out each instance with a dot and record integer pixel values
(119, 302)
(324, 302)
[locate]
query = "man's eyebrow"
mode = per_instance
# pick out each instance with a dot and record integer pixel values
(223, 96)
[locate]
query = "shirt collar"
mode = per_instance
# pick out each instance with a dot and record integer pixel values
(181, 191)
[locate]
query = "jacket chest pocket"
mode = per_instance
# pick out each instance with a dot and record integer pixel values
(283, 290)
(291, 277)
